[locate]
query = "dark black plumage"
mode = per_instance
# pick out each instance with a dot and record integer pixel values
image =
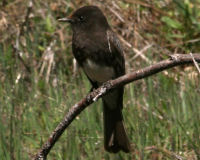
(98, 51)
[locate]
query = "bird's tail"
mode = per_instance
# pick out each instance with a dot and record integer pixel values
(115, 137)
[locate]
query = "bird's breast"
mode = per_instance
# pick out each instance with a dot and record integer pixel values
(97, 72)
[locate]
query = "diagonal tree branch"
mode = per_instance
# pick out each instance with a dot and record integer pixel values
(174, 60)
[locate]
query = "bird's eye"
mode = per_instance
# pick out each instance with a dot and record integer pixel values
(81, 18)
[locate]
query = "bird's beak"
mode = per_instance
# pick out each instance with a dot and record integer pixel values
(68, 19)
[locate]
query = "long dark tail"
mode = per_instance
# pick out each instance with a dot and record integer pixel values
(115, 137)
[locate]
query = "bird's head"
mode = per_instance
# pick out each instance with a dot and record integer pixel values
(87, 18)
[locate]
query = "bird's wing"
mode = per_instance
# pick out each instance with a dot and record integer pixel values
(115, 48)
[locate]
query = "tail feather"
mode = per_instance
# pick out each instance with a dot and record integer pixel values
(115, 137)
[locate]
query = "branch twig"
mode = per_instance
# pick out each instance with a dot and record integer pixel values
(195, 63)
(174, 60)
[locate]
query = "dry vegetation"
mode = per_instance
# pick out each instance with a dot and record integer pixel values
(144, 27)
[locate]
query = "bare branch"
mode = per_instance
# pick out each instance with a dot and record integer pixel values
(174, 60)
(20, 33)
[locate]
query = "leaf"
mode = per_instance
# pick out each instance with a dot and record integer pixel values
(49, 25)
(171, 22)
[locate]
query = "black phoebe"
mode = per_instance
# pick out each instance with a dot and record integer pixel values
(98, 51)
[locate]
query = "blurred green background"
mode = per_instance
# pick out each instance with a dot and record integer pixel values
(38, 82)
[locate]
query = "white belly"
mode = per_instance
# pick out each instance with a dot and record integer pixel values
(97, 72)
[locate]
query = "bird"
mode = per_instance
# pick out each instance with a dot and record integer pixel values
(98, 51)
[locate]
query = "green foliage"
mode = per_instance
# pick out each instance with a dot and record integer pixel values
(165, 114)
(182, 25)
(171, 23)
